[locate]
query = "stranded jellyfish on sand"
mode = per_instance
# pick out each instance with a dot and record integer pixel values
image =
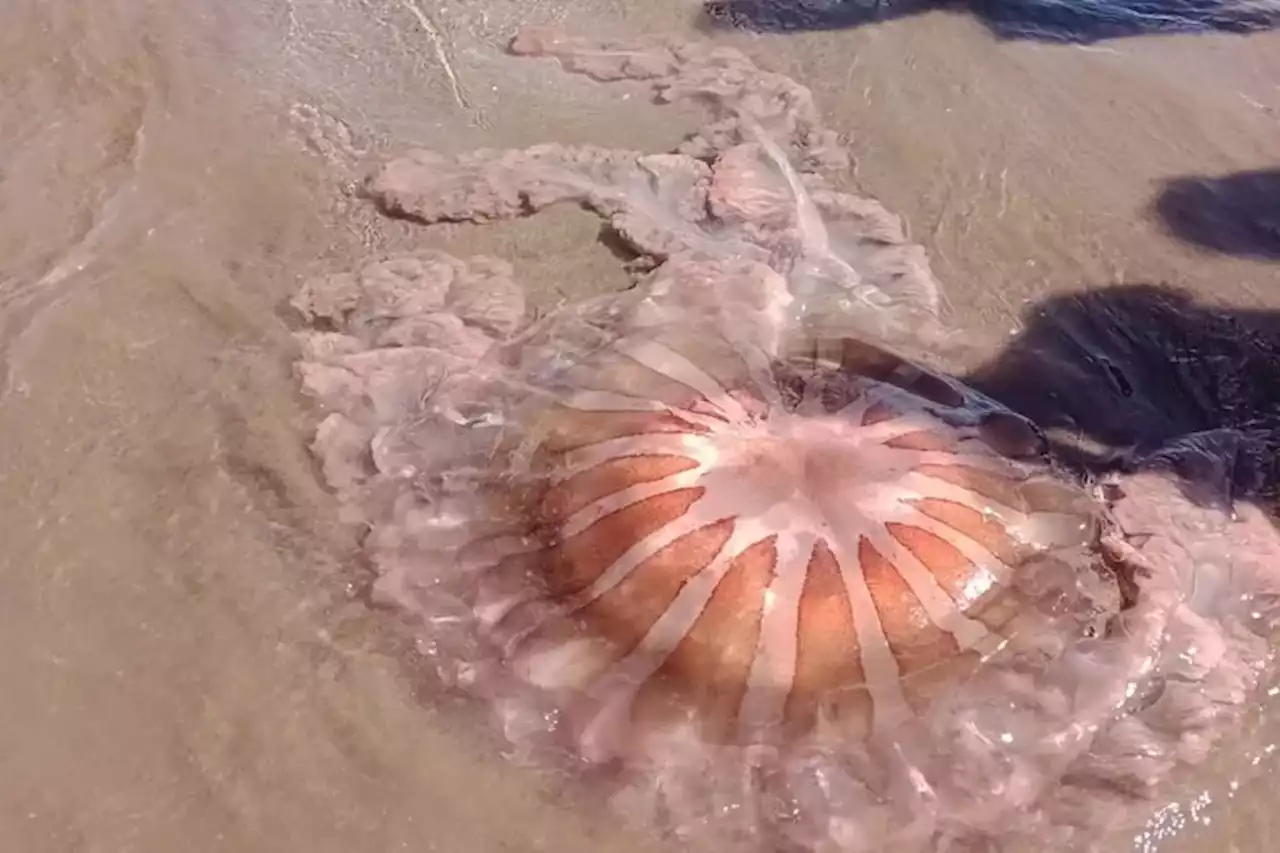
(727, 543)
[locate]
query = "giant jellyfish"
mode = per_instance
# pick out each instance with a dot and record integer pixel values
(731, 543)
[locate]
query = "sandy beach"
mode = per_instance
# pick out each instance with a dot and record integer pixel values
(191, 664)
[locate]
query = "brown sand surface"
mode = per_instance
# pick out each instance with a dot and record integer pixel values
(188, 664)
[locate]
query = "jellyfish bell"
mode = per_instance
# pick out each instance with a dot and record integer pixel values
(667, 540)
(707, 548)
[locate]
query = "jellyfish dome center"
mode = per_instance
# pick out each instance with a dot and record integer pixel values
(827, 470)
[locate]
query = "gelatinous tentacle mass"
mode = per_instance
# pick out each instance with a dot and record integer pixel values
(700, 551)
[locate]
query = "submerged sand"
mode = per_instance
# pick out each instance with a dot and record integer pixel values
(189, 662)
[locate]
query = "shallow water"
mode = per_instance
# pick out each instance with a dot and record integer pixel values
(189, 662)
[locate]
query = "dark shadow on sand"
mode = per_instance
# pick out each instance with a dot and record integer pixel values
(1237, 214)
(1134, 367)
(1076, 21)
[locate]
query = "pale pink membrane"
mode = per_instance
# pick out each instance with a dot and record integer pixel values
(840, 252)
(893, 625)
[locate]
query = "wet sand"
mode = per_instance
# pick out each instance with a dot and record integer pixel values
(189, 661)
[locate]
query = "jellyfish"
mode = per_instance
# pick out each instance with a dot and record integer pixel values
(728, 543)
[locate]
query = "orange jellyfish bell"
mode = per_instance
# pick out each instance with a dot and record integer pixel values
(755, 551)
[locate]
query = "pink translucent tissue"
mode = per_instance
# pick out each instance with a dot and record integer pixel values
(1136, 645)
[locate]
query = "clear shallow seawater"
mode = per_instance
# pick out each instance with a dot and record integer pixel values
(188, 662)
